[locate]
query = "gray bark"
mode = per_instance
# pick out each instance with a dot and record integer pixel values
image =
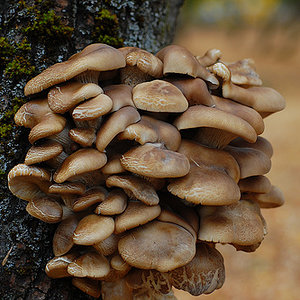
(146, 24)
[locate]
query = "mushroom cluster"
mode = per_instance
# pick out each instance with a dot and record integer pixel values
(146, 162)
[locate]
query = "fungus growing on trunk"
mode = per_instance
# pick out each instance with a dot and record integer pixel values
(147, 174)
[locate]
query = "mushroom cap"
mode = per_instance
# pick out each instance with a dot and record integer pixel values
(252, 162)
(120, 94)
(255, 184)
(45, 151)
(46, 209)
(93, 229)
(136, 214)
(67, 188)
(243, 72)
(114, 203)
(159, 96)
(116, 123)
(271, 199)
(239, 224)
(210, 57)
(81, 161)
(153, 161)
(57, 266)
(92, 108)
(109, 245)
(95, 57)
(116, 290)
(135, 187)
(63, 236)
(90, 264)
(65, 97)
(113, 166)
(179, 60)
(158, 245)
(203, 116)
(28, 182)
(83, 136)
(203, 274)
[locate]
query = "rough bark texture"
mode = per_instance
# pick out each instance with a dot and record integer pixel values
(34, 35)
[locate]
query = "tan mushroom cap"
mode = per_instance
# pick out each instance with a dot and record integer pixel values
(83, 136)
(114, 203)
(271, 199)
(265, 100)
(88, 286)
(178, 60)
(261, 144)
(115, 124)
(28, 182)
(134, 187)
(37, 115)
(255, 184)
(243, 72)
(195, 91)
(203, 274)
(65, 97)
(136, 214)
(109, 245)
(81, 161)
(46, 209)
(153, 160)
(120, 94)
(63, 236)
(92, 108)
(246, 113)
(159, 96)
(43, 152)
(57, 266)
(158, 245)
(69, 188)
(212, 179)
(240, 224)
(252, 162)
(90, 264)
(113, 166)
(219, 122)
(92, 196)
(93, 229)
(95, 57)
(210, 57)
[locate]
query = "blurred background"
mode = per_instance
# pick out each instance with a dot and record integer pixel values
(269, 32)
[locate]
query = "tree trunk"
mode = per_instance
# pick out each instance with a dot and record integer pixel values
(34, 35)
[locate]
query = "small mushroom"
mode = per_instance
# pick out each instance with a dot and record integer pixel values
(87, 285)
(210, 57)
(57, 266)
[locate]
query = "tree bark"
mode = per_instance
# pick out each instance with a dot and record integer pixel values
(34, 35)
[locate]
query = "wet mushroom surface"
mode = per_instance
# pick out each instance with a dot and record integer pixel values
(145, 176)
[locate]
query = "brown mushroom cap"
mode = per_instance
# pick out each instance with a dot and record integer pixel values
(159, 96)
(212, 179)
(202, 116)
(95, 57)
(109, 245)
(210, 57)
(158, 245)
(93, 229)
(255, 184)
(81, 161)
(28, 182)
(67, 188)
(114, 203)
(65, 97)
(153, 161)
(63, 236)
(203, 274)
(45, 209)
(240, 224)
(57, 266)
(43, 152)
(83, 136)
(90, 264)
(177, 59)
(135, 187)
(113, 166)
(116, 123)
(136, 214)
